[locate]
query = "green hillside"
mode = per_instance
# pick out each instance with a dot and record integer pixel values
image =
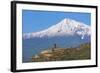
(60, 54)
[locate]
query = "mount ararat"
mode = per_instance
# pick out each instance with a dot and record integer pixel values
(67, 33)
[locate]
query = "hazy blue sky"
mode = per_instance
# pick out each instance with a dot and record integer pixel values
(33, 20)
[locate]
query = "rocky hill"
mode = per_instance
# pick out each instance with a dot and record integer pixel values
(60, 54)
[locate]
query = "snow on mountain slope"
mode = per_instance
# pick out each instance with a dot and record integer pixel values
(67, 27)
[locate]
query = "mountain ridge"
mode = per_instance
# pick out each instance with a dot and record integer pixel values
(63, 28)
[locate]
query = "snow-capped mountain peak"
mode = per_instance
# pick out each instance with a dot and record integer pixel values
(66, 27)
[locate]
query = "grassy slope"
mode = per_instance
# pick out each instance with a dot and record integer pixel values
(61, 54)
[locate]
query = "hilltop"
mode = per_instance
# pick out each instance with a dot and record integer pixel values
(60, 54)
